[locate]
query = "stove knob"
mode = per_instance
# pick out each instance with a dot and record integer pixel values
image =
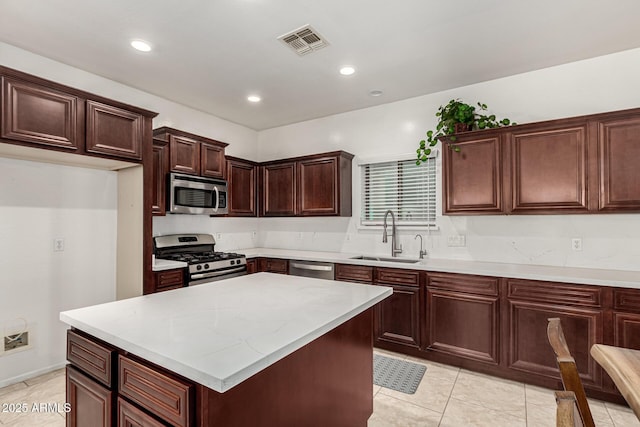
(199, 267)
(232, 262)
(206, 266)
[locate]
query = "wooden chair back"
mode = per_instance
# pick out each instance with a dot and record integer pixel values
(567, 414)
(568, 370)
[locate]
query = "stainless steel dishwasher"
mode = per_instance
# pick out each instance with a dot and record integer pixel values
(318, 270)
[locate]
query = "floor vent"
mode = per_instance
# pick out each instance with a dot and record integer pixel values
(304, 40)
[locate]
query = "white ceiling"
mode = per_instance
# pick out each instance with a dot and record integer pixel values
(211, 54)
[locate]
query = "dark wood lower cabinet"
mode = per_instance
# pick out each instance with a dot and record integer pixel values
(463, 317)
(167, 280)
(398, 317)
(130, 416)
(252, 266)
(273, 265)
(91, 404)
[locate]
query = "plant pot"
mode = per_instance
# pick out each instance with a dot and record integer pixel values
(461, 127)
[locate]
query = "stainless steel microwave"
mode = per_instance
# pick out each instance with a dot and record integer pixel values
(188, 194)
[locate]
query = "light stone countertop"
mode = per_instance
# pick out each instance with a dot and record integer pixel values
(165, 264)
(586, 276)
(219, 334)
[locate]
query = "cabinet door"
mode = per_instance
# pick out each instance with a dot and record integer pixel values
(531, 304)
(114, 131)
(160, 169)
(130, 416)
(397, 317)
(472, 177)
(318, 186)
(252, 266)
(184, 155)
(549, 169)
(619, 151)
(241, 179)
(211, 160)
(39, 115)
(463, 316)
(279, 189)
(91, 403)
(626, 318)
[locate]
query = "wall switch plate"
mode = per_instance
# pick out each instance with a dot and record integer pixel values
(58, 245)
(457, 241)
(576, 243)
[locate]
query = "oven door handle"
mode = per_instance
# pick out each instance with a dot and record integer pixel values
(217, 273)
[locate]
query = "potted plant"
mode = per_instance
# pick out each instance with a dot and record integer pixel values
(454, 118)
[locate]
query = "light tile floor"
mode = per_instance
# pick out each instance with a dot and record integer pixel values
(446, 397)
(454, 397)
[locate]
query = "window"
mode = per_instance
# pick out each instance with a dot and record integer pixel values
(402, 186)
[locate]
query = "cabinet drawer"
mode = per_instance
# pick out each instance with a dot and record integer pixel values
(627, 300)
(167, 397)
(478, 285)
(169, 279)
(393, 276)
(274, 265)
(96, 360)
(354, 273)
(555, 293)
(130, 416)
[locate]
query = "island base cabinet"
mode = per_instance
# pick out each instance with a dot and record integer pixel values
(91, 404)
(328, 382)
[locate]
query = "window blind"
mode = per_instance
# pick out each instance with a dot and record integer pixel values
(403, 187)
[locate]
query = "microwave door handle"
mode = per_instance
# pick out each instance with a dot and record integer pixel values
(215, 188)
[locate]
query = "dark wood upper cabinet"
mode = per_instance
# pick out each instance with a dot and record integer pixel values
(619, 151)
(549, 169)
(316, 185)
(575, 165)
(241, 180)
(212, 162)
(472, 177)
(160, 169)
(40, 115)
(323, 186)
(184, 155)
(279, 189)
(114, 131)
(193, 154)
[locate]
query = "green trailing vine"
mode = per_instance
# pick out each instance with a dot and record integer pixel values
(456, 117)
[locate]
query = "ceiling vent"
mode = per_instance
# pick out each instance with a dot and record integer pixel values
(304, 40)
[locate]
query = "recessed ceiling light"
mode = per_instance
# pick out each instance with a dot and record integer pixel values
(375, 93)
(253, 98)
(140, 45)
(347, 71)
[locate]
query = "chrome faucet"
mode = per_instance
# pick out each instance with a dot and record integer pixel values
(422, 252)
(394, 250)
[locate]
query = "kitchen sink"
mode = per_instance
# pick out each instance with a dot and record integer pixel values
(385, 259)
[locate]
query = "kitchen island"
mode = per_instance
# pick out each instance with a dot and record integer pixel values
(258, 350)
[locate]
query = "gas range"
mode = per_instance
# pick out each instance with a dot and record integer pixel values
(197, 250)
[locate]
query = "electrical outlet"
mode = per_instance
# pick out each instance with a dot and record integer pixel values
(576, 244)
(254, 234)
(58, 245)
(457, 241)
(14, 342)
(218, 236)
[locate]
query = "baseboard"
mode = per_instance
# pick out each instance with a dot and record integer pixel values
(31, 374)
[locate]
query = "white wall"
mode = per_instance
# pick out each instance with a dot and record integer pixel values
(41, 202)
(609, 241)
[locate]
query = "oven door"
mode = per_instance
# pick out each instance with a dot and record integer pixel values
(196, 195)
(214, 276)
